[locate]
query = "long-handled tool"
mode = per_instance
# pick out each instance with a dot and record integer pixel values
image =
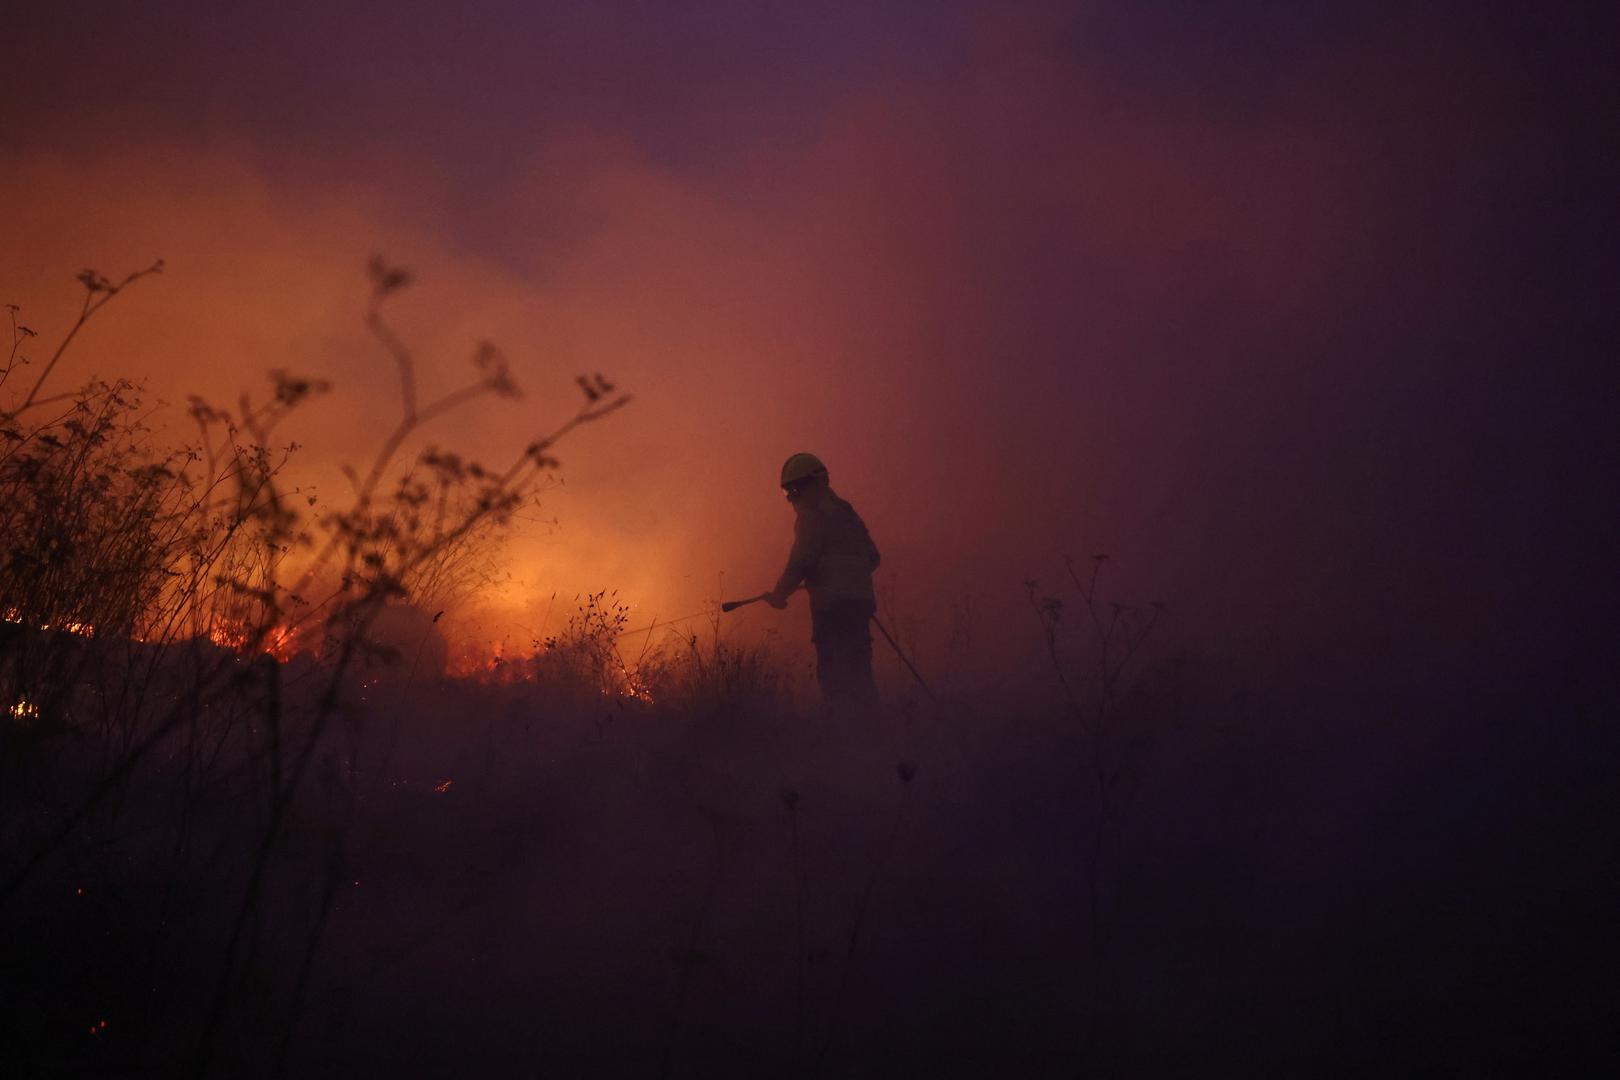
(940, 711)
(733, 605)
(939, 706)
(906, 660)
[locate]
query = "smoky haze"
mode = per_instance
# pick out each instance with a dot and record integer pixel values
(1268, 323)
(1302, 313)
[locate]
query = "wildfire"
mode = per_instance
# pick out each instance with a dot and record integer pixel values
(635, 689)
(24, 711)
(487, 664)
(80, 629)
(279, 641)
(229, 636)
(491, 664)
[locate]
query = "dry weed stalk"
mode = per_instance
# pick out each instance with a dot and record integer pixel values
(147, 593)
(1095, 689)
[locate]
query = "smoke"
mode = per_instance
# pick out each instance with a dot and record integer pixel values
(1027, 300)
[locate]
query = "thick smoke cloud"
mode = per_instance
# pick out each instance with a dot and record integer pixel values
(1033, 285)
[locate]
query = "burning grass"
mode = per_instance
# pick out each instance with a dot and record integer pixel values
(183, 631)
(254, 821)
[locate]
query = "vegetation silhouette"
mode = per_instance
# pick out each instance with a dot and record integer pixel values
(254, 823)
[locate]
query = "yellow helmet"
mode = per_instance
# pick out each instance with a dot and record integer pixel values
(801, 467)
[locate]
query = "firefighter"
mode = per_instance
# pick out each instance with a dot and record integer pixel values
(833, 558)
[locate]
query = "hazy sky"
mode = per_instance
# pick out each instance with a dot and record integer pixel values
(1302, 311)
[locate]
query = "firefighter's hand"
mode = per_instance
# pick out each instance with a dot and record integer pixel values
(776, 600)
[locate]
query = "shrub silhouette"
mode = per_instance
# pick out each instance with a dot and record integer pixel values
(145, 593)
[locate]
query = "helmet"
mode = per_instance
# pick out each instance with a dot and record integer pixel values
(800, 467)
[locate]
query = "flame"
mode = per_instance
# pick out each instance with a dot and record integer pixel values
(24, 711)
(635, 688)
(489, 663)
(80, 629)
(229, 635)
(280, 642)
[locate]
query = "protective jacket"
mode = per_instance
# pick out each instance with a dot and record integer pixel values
(833, 555)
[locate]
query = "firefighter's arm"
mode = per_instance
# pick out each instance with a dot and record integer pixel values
(876, 557)
(800, 561)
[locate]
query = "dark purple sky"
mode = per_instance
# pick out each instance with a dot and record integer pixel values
(1305, 311)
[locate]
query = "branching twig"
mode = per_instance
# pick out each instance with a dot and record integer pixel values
(98, 291)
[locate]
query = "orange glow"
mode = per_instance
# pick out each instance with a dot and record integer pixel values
(79, 629)
(441, 789)
(635, 687)
(279, 641)
(486, 664)
(492, 665)
(983, 327)
(229, 636)
(292, 276)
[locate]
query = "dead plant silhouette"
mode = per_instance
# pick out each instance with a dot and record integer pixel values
(1114, 634)
(146, 594)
